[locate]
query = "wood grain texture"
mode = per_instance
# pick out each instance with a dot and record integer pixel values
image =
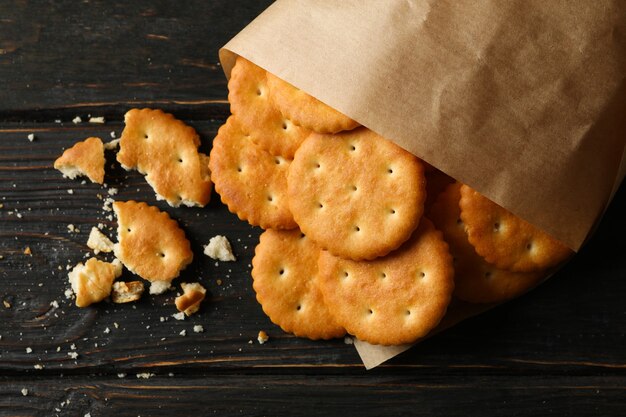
(556, 351)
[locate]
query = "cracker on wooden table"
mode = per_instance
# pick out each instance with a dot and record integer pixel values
(150, 243)
(476, 280)
(165, 150)
(355, 193)
(305, 110)
(284, 270)
(250, 181)
(395, 299)
(92, 281)
(248, 95)
(84, 158)
(504, 239)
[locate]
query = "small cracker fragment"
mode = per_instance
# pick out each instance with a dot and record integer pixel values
(476, 280)
(159, 287)
(248, 95)
(84, 158)
(506, 240)
(250, 181)
(150, 243)
(395, 299)
(189, 302)
(92, 282)
(219, 248)
(166, 150)
(305, 110)
(284, 270)
(356, 194)
(126, 292)
(99, 242)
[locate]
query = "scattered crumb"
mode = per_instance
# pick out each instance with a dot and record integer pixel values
(107, 331)
(28, 350)
(112, 145)
(73, 346)
(262, 337)
(38, 366)
(198, 328)
(145, 375)
(121, 375)
(112, 191)
(24, 392)
(73, 355)
(219, 282)
(99, 242)
(76, 120)
(348, 340)
(159, 287)
(27, 251)
(117, 326)
(6, 304)
(54, 303)
(68, 292)
(183, 332)
(177, 316)
(219, 248)
(72, 229)
(31, 137)
(96, 120)
(70, 191)
(112, 134)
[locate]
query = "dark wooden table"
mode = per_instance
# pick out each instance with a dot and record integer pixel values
(560, 350)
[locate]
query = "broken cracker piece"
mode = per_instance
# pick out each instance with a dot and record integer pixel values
(189, 302)
(92, 282)
(125, 292)
(84, 158)
(219, 248)
(150, 243)
(159, 287)
(166, 150)
(99, 242)
(112, 145)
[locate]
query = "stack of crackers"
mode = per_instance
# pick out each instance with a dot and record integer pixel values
(361, 236)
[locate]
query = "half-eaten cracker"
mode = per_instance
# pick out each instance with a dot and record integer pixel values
(126, 292)
(189, 301)
(92, 281)
(84, 158)
(284, 270)
(149, 242)
(165, 150)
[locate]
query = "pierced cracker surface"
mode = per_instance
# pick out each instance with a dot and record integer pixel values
(356, 194)
(305, 110)
(165, 150)
(284, 270)
(476, 280)
(150, 243)
(395, 299)
(250, 181)
(504, 239)
(249, 99)
(84, 158)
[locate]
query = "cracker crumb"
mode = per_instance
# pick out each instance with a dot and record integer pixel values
(19, 215)
(54, 303)
(159, 287)
(68, 291)
(29, 350)
(70, 191)
(189, 302)
(73, 355)
(27, 251)
(348, 340)
(219, 248)
(24, 392)
(112, 145)
(6, 304)
(71, 228)
(116, 325)
(198, 328)
(73, 346)
(262, 337)
(31, 137)
(107, 331)
(179, 316)
(38, 366)
(99, 120)
(145, 375)
(183, 332)
(121, 375)
(112, 191)
(112, 134)
(76, 120)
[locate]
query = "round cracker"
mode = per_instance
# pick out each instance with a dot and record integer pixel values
(284, 269)
(504, 239)
(248, 95)
(392, 300)
(305, 110)
(476, 280)
(250, 181)
(356, 194)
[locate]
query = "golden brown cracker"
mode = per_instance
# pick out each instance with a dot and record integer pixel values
(193, 295)
(284, 269)
(504, 239)
(395, 299)
(476, 280)
(250, 181)
(150, 243)
(248, 95)
(92, 282)
(166, 150)
(305, 110)
(84, 158)
(355, 193)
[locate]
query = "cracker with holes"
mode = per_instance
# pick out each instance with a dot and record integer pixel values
(395, 299)
(305, 110)
(504, 239)
(149, 243)
(92, 281)
(248, 94)
(249, 180)
(476, 280)
(356, 194)
(85, 158)
(284, 270)
(165, 150)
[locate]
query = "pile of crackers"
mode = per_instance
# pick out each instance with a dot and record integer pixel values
(361, 236)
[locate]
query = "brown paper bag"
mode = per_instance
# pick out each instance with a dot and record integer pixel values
(523, 100)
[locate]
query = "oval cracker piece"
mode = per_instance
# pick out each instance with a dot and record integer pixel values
(395, 299)
(284, 270)
(504, 239)
(250, 181)
(356, 194)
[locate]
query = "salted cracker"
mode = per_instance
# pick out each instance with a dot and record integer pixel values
(284, 270)
(150, 243)
(249, 180)
(355, 193)
(248, 95)
(92, 281)
(504, 239)
(165, 150)
(84, 158)
(395, 299)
